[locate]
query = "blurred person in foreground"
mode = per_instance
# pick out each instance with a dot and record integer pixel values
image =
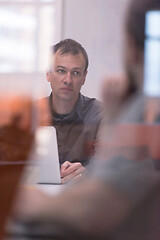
(75, 117)
(119, 198)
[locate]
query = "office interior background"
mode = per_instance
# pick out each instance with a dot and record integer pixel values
(29, 27)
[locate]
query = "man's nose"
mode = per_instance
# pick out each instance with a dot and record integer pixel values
(68, 78)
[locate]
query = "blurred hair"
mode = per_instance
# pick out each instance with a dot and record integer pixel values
(71, 46)
(135, 22)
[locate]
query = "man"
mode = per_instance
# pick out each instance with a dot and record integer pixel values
(75, 117)
(120, 198)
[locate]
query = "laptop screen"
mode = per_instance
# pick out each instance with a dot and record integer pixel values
(47, 157)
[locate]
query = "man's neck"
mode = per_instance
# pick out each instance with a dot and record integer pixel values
(62, 107)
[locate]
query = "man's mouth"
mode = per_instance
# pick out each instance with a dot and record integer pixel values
(67, 89)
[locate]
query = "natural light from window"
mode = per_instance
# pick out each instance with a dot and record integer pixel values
(27, 29)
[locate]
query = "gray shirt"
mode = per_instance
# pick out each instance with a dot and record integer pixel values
(140, 183)
(77, 131)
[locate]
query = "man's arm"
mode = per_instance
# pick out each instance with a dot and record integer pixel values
(88, 208)
(98, 203)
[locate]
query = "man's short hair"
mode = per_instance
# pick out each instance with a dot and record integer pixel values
(73, 47)
(135, 22)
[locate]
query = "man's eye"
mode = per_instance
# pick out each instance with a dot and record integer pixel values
(76, 73)
(60, 70)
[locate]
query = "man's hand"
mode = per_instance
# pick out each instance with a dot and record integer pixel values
(114, 89)
(71, 171)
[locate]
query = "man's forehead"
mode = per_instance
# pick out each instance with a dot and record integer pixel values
(59, 53)
(77, 60)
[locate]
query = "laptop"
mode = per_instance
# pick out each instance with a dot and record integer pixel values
(47, 157)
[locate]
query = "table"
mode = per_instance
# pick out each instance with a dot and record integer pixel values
(21, 231)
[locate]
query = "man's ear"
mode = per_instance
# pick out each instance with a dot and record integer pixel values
(84, 78)
(48, 76)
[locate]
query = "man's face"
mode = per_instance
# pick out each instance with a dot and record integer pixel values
(67, 76)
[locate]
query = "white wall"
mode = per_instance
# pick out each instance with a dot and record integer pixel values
(98, 26)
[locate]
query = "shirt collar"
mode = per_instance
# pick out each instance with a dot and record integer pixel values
(78, 109)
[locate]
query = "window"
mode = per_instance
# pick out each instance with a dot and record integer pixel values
(27, 29)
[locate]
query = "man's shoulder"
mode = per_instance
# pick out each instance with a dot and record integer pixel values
(42, 99)
(91, 103)
(92, 108)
